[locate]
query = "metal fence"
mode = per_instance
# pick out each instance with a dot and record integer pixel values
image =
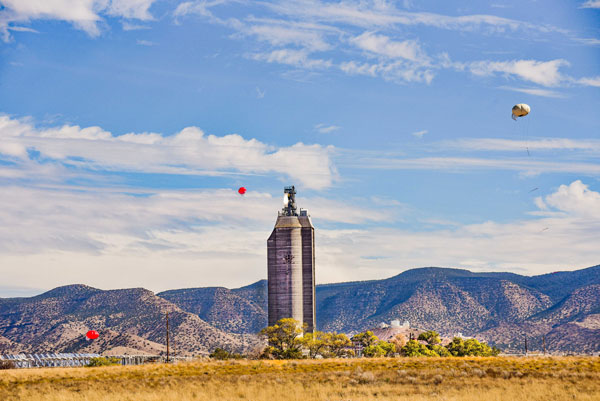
(48, 360)
(74, 360)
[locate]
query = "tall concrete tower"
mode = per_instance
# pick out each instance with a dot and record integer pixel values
(291, 265)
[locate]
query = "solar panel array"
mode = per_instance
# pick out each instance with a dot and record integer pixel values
(73, 360)
(48, 360)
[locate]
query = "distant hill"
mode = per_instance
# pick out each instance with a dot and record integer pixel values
(130, 320)
(497, 307)
(563, 307)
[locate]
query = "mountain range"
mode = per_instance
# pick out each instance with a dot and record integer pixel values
(560, 311)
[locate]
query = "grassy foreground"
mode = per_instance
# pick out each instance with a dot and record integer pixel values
(465, 379)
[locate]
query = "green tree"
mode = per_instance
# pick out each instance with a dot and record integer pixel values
(284, 338)
(388, 347)
(470, 347)
(415, 348)
(373, 351)
(440, 350)
(366, 339)
(317, 343)
(339, 346)
(431, 337)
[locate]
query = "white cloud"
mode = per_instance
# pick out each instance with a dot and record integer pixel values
(115, 238)
(142, 42)
(544, 73)
(83, 14)
(379, 14)
(589, 145)
(296, 58)
(132, 9)
(397, 71)
(278, 34)
(419, 134)
(591, 4)
(565, 239)
(535, 91)
(189, 151)
(458, 164)
(326, 129)
(22, 29)
(381, 45)
(296, 29)
(592, 81)
(575, 199)
(128, 26)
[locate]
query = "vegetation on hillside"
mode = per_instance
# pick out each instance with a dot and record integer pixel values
(286, 341)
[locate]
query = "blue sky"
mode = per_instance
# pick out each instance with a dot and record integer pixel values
(127, 126)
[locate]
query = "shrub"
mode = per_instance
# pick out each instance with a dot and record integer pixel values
(102, 361)
(7, 365)
(222, 354)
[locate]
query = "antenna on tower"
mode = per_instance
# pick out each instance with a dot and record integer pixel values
(289, 202)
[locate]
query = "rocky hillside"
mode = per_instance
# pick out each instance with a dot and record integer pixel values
(497, 307)
(241, 310)
(563, 308)
(130, 321)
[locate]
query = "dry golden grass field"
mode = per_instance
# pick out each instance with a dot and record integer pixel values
(465, 379)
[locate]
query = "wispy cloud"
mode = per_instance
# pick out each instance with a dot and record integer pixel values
(535, 91)
(592, 81)
(458, 164)
(544, 73)
(128, 26)
(496, 144)
(314, 34)
(379, 14)
(295, 58)
(277, 33)
(381, 45)
(22, 29)
(142, 42)
(135, 235)
(419, 134)
(326, 129)
(565, 219)
(126, 240)
(591, 4)
(396, 71)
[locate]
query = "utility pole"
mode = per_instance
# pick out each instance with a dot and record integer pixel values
(525, 344)
(544, 344)
(167, 337)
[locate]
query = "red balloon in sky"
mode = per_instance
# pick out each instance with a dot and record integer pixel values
(242, 190)
(92, 334)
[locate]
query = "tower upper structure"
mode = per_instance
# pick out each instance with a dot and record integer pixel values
(291, 265)
(289, 202)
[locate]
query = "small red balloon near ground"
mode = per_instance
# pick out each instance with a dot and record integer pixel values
(92, 334)
(242, 190)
